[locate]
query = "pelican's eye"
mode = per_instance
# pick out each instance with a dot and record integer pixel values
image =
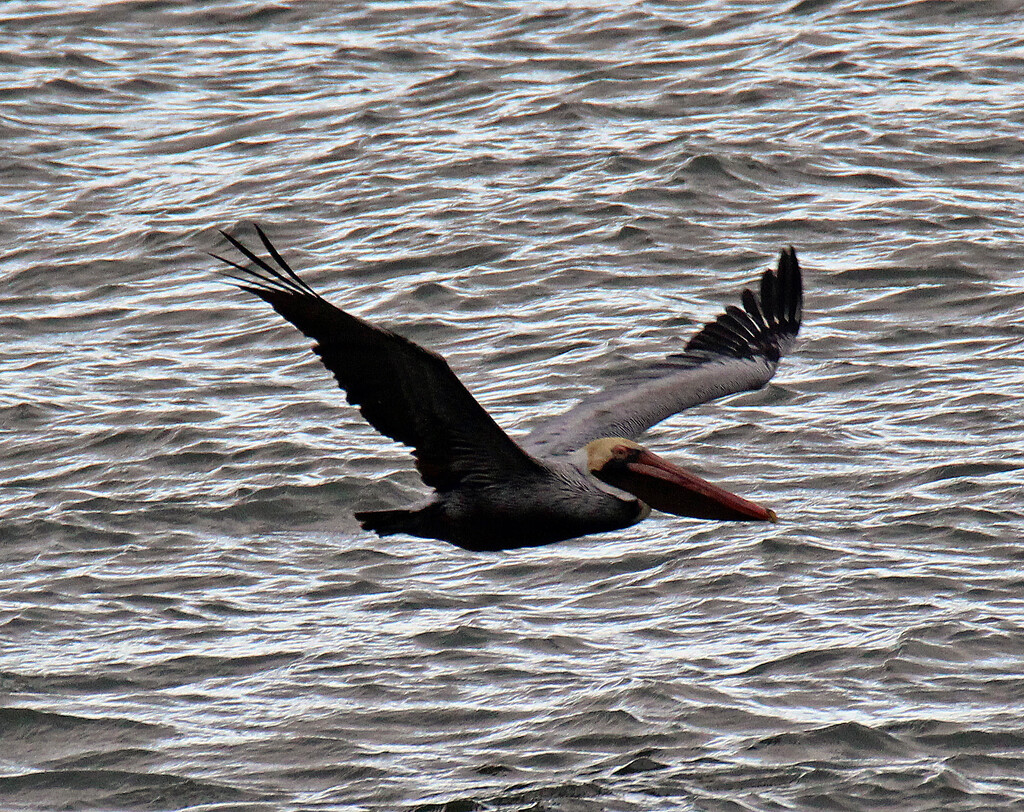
(624, 453)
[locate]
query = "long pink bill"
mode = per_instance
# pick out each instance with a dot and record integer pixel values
(669, 488)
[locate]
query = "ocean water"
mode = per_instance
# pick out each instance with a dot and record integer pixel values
(191, 619)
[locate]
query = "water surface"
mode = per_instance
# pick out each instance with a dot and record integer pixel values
(190, 617)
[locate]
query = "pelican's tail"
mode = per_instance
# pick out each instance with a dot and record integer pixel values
(420, 522)
(385, 522)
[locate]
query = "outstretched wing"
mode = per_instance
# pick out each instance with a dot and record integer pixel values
(403, 390)
(739, 350)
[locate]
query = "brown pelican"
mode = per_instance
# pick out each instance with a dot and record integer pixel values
(577, 473)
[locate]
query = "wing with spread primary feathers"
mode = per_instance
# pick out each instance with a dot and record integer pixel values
(403, 390)
(738, 351)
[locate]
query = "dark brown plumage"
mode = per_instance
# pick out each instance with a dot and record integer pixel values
(571, 476)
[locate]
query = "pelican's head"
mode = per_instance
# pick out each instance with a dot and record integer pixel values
(630, 467)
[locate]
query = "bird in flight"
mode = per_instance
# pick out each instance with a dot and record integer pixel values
(577, 473)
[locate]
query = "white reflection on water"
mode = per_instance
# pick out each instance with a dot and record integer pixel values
(540, 197)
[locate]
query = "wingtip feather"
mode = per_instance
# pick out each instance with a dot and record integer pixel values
(769, 317)
(261, 273)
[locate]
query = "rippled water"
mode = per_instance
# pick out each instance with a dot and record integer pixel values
(190, 616)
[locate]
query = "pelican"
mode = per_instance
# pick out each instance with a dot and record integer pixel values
(578, 473)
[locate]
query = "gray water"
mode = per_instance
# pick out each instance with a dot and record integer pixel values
(190, 617)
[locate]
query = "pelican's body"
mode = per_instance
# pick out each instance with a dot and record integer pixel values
(559, 501)
(576, 474)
